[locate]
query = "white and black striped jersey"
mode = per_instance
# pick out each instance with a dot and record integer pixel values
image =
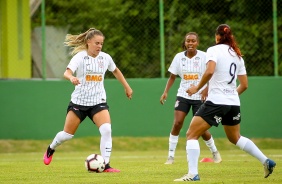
(190, 71)
(90, 72)
(222, 85)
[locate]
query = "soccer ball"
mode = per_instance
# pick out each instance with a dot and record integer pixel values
(95, 163)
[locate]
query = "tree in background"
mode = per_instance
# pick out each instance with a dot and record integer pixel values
(132, 32)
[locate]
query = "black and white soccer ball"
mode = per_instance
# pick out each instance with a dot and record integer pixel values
(95, 163)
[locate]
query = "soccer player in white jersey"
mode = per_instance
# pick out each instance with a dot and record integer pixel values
(224, 66)
(88, 99)
(190, 66)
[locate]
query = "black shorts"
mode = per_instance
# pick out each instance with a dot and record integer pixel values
(83, 111)
(214, 114)
(184, 105)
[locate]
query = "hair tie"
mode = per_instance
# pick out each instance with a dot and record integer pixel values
(225, 29)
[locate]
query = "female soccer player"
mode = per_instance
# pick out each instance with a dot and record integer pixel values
(190, 66)
(224, 66)
(89, 96)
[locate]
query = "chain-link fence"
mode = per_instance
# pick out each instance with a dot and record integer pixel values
(132, 30)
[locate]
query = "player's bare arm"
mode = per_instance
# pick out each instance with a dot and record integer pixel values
(167, 88)
(119, 76)
(204, 93)
(243, 79)
(69, 76)
(204, 80)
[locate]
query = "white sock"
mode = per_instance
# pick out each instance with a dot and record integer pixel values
(248, 146)
(193, 154)
(60, 138)
(173, 140)
(106, 141)
(210, 144)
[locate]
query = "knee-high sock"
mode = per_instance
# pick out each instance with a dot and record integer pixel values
(173, 140)
(211, 145)
(248, 146)
(106, 141)
(193, 154)
(60, 138)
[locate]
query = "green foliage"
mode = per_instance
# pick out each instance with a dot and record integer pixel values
(132, 29)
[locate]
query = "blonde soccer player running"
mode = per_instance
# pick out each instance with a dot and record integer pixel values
(89, 96)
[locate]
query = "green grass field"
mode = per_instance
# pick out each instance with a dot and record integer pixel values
(141, 161)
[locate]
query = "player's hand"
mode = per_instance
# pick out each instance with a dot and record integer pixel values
(74, 81)
(129, 92)
(204, 94)
(163, 98)
(192, 90)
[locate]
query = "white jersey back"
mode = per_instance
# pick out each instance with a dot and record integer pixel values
(189, 70)
(90, 72)
(222, 85)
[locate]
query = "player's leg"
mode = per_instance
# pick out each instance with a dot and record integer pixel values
(207, 137)
(179, 117)
(103, 122)
(209, 141)
(181, 109)
(71, 124)
(233, 135)
(197, 128)
(231, 124)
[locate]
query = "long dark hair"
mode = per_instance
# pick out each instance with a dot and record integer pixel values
(226, 37)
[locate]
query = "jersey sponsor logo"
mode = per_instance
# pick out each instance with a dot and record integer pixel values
(229, 91)
(191, 76)
(95, 78)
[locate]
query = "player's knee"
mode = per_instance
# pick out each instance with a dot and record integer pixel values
(233, 140)
(177, 124)
(105, 129)
(64, 136)
(192, 135)
(206, 135)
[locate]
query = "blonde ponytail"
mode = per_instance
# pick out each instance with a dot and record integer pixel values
(79, 42)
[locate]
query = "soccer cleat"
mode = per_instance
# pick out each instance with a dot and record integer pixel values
(47, 158)
(170, 160)
(216, 157)
(108, 168)
(268, 167)
(189, 177)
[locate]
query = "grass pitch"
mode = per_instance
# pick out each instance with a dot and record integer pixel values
(141, 161)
